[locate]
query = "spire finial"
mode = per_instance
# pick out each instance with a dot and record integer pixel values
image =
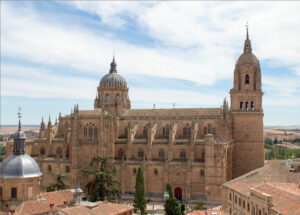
(20, 116)
(247, 45)
(113, 65)
(247, 28)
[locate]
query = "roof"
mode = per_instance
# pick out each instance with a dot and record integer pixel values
(173, 112)
(207, 212)
(58, 197)
(19, 166)
(288, 145)
(102, 208)
(34, 207)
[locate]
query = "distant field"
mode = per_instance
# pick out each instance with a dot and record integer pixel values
(13, 128)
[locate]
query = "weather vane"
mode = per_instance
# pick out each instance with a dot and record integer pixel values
(19, 113)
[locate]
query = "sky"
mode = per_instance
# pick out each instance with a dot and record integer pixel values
(54, 54)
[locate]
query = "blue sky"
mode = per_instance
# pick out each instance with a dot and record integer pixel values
(54, 53)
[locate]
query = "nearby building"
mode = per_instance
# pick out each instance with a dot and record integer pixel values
(288, 145)
(195, 149)
(20, 175)
(272, 189)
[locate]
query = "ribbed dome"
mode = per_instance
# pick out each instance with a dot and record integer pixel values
(19, 166)
(113, 78)
(248, 58)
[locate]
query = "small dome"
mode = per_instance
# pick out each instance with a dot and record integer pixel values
(20, 135)
(248, 58)
(19, 166)
(113, 78)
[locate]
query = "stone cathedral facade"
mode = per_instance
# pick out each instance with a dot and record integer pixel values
(195, 149)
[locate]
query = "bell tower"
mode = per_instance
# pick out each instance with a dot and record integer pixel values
(246, 109)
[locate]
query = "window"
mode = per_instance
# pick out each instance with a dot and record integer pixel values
(126, 132)
(13, 193)
(203, 154)
(145, 131)
(155, 172)
(252, 106)
(161, 154)
(189, 131)
(248, 207)
(120, 153)
(67, 169)
(182, 154)
(184, 131)
(167, 129)
(140, 153)
(59, 152)
(240, 201)
(214, 131)
(134, 171)
(95, 132)
(230, 211)
(67, 152)
(202, 173)
(247, 79)
(205, 130)
(106, 98)
(246, 106)
(244, 205)
(241, 105)
(90, 132)
(117, 97)
(85, 131)
(209, 128)
(259, 212)
(49, 168)
(235, 199)
(229, 196)
(42, 151)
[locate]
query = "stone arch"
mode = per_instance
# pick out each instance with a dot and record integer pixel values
(106, 98)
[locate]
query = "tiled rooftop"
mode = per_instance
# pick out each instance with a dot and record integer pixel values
(58, 197)
(207, 212)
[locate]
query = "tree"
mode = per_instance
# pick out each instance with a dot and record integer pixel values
(199, 206)
(172, 206)
(104, 183)
(58, 184)
(140, 193)
(182, 208)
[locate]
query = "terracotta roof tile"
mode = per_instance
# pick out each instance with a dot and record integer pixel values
(34, 207)
(207, 212)
(58, 197)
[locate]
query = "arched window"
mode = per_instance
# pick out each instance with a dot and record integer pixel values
(155, 172)
(241, 105)
(95, 132)
(106, 98)
(248, 207)
(244, 204)
(90, 132)
(140, 153)
(202, 173)
(120, 153)
(209, 128)
(42, 151)
(59, 152)
(203, 154)
(13, 193)
(67, 169)
(229, 196)
(49, 168)
(134, 171)
(182, 155)
(167, 129)
(117, 97)
(145, 131)
(252, 106)
(85, 131)
(247, 106)
(247, 79)
(161, 154)
(184, 131)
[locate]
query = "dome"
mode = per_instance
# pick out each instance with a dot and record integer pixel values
(113, 78)
(248, 58)
(19, 166)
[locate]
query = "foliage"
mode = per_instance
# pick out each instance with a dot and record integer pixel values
(199, 206)
(172, 206)
(2, 152)
(58, 184)
(182, 208)
(104, 183)
(274, 152)
(140, 193)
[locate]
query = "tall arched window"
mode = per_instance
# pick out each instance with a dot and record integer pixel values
(42, 151)
(140, 153)
(241, 105)
(90, 132)
(161, 154)
(155, 172)
(134, 171)
(252, 106)
(247, 106)
(182, 154)
(67, 169)
(202, 173)
(49, 168)
(209, 128)
(106, 98)
(203, 154)
(120, 153)
(247, 79)
(59, 152)
(117, 97)
(95, 132)
(85, 131)
(145, 131)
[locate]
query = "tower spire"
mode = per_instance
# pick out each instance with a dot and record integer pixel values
(247, 44)
(19, 116)
(19, 138)
(113, 66)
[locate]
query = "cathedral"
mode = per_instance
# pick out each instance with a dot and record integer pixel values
(195, 149)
